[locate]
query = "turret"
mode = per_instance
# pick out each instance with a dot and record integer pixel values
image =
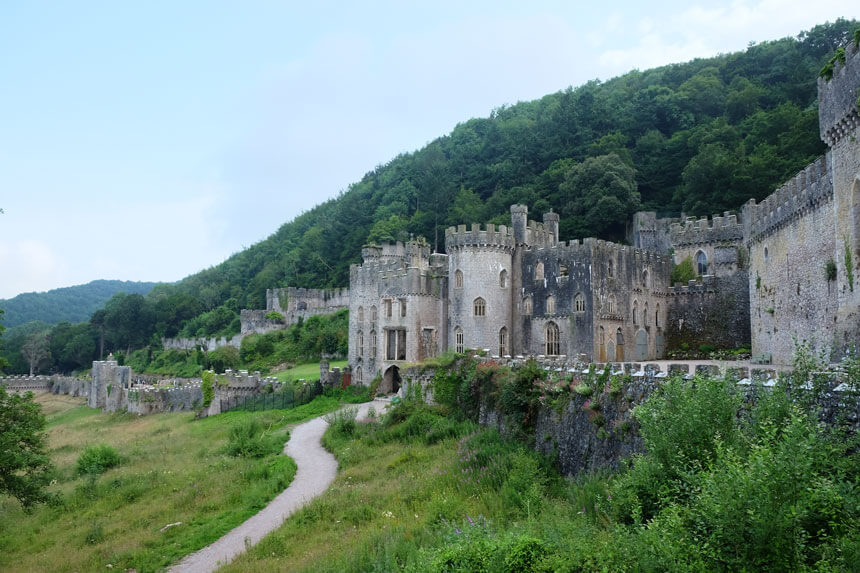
(519, 219)
(550, 221)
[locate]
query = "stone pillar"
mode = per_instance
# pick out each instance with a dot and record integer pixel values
(550, 221)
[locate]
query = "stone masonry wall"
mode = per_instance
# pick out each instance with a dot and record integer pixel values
(714, 311)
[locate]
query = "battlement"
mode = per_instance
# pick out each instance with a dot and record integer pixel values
(702, 231)
(501, 237)
(803, 193)
(837, 98)
(705, 284)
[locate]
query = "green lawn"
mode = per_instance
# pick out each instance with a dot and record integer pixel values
(309, 371)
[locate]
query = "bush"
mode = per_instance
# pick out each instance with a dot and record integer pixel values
(223, 358)
(683, 272)
(208, 387)
(342, 421)
(98, 459)
(248, 440)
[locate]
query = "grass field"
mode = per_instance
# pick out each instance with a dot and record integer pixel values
(174, 470)
(307, 371)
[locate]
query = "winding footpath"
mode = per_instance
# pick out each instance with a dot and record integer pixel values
(316, 470)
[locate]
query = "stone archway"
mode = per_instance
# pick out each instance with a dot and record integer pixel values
(390, 381)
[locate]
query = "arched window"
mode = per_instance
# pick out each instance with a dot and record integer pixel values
(458, 340)
(610, 269)
(645, 315)
(361, 314)
(372, 344)
(503, 341)
(553, 348)
(619, 337)
(635, 312)
(373, 313)
(550, 304)
(360, 343)
(480, 307)
(701, 263)
(503, 279)
(657, 316)
(579, 303)
(645, 278)
(539, 271)
(612, 305)
(359, 378)
(402, 307)
(458, 279)
(527, 305)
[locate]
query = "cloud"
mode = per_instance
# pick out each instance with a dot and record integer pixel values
(28, 265)
(702, 30)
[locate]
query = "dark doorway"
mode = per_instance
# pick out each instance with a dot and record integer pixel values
(390, 381)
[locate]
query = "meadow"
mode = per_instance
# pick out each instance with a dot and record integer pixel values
(173, 470)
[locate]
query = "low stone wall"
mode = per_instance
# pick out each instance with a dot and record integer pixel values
(208, 344)
(598, 431)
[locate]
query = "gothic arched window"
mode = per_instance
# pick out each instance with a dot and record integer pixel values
(458, 279)
(480, 307)
(550, 304)
(553, 346)
(527, 305)
(503, 279)
(458, 340)
(579, 303)
(503, 341)
(361, 314)
(539, 272)
(701, 263)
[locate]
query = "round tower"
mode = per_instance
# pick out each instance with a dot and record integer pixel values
(479, 289)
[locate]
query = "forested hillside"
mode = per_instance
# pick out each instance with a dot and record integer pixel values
(69, 304)
(700, 137)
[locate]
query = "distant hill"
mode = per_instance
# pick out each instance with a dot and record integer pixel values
(70, 304)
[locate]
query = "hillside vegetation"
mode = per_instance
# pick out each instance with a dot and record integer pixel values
(68, 304)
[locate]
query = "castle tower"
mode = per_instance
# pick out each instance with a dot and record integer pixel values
(839, 124)
(480, 272)
(550, 221)
(519, 221)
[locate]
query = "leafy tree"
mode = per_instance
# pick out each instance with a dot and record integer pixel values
(36, 351)
(683, 272)
(25, 468)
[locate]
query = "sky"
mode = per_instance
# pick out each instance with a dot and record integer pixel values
(150, 140)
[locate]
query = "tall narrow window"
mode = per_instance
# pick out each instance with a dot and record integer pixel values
(387, 303)
(539, 272)
(612, 306)
(701, 263)
(480, 307)
(579, 303)
(458, 279)
(360, 343)
(527, 306)
(550, 304)
(361, 314)
(645, 315)
(401, 345)
(373, 345)
(645, 278)
(373, 313)
(403, 307)
(552, 339)
(503, 279)
(396, 344)
(503, 341)
(359, 378)
(635, 312)
(458, 340)
(610, 269)
(657, 316)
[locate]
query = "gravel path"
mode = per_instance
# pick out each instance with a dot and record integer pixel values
(316, 470)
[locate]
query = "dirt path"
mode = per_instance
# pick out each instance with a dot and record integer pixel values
(316, 470)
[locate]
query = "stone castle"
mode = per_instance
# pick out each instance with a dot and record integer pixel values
(777, 273)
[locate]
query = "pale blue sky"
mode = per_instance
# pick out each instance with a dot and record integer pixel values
(149, 140)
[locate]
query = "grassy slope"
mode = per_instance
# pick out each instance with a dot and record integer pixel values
(174, 471)
(309, 371)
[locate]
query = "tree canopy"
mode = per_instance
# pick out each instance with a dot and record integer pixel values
(25, 468)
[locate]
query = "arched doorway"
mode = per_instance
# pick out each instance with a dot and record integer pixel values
(619, 346)
(610, 351)
(390, 381)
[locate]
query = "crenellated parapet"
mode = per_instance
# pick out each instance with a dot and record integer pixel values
(837, 99)
(717, 230)
(488, 237)
(804, 193)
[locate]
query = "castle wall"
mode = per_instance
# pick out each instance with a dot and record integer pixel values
(305, 302)
(714, 311)
(720, 239)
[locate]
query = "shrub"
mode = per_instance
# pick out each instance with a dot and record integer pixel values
(342, 421)
(275, 315)
(207, 386)
(683, 272)
(247, 439)
(98, 459)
